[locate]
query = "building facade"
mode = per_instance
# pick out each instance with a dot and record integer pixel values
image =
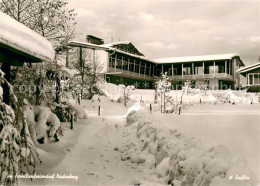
(252, 74)
(124, 64)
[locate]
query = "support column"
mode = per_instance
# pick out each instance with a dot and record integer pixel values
(229, 69)
(122, 67)
(134, 66)
(115, 62)
(144, 69)
(253, 77)
(247, 79)
(128, 63)
(162, 70)
(192, 69)
(225, 69)
(139, 68)
(203, 68)
(150, 69)
(214, 66)
(182, 70)
(172, 70)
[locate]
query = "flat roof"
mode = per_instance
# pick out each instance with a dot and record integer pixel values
(248, 68)
(195, 58)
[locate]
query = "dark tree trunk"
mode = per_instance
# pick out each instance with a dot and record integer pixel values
(37, 101)
(57, 89)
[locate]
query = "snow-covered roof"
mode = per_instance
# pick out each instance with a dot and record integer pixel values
(129, 54)
(195, 58)
(116, 43)
(87, 45)
(108, 47)
(20, 38)
(248, 68)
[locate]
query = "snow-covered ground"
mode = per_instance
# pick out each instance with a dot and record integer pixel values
(100, 151)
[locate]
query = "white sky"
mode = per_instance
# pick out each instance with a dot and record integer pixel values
(168, 28)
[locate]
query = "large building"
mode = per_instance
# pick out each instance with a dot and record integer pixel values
(252, 74)
(123, 63)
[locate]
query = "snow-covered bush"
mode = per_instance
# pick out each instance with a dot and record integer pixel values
(18, 153)
(41, 121)
(63, 111)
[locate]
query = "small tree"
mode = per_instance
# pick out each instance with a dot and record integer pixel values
(126, 93)
(89, 68)
(163, 86)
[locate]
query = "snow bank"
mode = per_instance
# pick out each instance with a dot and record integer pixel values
(179, 158)
(42, 123)
(20, 37)
(112, 91)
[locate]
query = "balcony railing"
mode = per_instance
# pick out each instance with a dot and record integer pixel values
(126, 73)
(122, 72)
(202, 76)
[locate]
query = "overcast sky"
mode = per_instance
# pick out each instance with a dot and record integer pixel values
(169, 28)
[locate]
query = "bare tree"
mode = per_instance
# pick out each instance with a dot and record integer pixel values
(90, 69)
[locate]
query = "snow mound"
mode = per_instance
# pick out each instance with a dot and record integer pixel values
(112, 91)
(135, 113)
(179, 158)
(80, 113)
(20, 37)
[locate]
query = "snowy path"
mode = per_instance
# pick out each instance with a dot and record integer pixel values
(94, 158)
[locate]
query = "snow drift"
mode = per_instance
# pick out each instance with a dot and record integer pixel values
(180, 159)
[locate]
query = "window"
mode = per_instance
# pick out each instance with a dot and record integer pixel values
(211, 69)
(250, 79)
(136, 68)
(256, 79)
(169, 73)
(186, 70)
(131, 66)
(199, 70)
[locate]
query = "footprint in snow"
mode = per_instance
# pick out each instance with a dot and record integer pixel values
(110, 176)
(67, 149)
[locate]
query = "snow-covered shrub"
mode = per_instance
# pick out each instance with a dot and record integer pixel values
(63, 111)
(17, 150)
(41, 121)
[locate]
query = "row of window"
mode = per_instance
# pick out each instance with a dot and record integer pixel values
(148, 69)
(131, 66)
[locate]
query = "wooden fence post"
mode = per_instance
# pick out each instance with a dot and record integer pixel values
(99, 110)
(72, 121)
